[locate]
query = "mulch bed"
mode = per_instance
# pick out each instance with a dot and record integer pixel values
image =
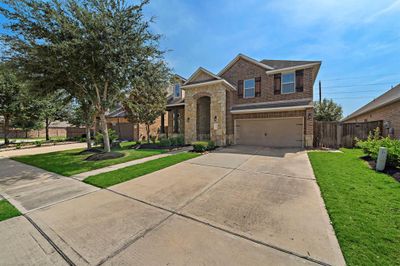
(155, 146)
(104, 156)
(390, 170)
(90, 151)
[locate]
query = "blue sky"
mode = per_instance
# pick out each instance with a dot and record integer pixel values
(357, 41)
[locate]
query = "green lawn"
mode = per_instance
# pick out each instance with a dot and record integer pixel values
(364, 207)
(70, 163)
(121, 175)
(7, 210)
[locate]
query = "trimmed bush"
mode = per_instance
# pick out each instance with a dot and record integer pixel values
(375, 141)
(200, 146)
(211, 145)
(180, 140)
(174, 141)
(165, 142)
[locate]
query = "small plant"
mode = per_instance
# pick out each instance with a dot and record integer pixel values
(112, 135)
(180, 140)
(153, 139)
(174, 141)
(200, 146)
(375, 141)
(211, 145)
(18, 146)
(165, 142)
(38, 143)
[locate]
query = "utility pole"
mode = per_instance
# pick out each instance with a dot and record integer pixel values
(320, 93)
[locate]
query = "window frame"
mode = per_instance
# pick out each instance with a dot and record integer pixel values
(177, 85)
(244, 89)
(284, 83)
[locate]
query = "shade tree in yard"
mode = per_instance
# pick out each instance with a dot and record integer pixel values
(95, 49)
(147, 100)
(327, 110)
(10, 98)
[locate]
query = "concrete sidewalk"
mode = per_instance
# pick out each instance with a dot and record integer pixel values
(41, 150)
(29, 188)
(110, 168)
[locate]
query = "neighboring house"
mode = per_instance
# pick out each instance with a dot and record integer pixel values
(268, 102)
(169, 124)
(386, 108)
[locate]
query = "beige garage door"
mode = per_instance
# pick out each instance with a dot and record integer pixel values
(285, 132)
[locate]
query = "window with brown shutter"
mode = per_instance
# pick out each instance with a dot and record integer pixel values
(277, 84)
(258, 87)
(299, 80)
(240, 89)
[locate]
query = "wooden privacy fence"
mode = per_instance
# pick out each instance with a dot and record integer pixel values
(336, 134)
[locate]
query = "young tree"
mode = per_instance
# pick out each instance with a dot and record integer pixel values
(147, 100)
(93, 48)
(54, 107)
(83, 114)
(328, 110)
(10, 97)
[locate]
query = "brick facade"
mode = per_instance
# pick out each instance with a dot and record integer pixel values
(389, 113)
(244, 69)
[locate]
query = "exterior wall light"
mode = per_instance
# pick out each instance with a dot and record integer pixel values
(215, 118)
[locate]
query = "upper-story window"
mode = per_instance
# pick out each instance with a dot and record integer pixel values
(249, 88)
(288, 83)
(177, 90)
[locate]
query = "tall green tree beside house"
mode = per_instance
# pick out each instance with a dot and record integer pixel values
(95, 49)
(147, 100)
(10, 98)
(327, 110)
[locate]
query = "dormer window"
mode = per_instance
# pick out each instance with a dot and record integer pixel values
(288, 83)
(177, 90)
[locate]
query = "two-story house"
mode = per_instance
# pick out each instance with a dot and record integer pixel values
(268, 102)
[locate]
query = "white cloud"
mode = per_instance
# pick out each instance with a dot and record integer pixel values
(395, 6)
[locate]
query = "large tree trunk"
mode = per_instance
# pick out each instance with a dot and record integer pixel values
(88, 137)
(6, 127)
(47, 129)
(104, 129)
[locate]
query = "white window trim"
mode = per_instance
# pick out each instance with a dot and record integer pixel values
(244, 89)
(294, 82)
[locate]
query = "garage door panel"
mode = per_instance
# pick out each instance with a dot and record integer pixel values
(287, 132)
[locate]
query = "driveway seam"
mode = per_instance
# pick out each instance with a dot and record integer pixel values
(48, 239)
(221, 229)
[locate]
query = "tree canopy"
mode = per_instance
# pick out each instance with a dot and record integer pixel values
(97, 50)
(327, 110)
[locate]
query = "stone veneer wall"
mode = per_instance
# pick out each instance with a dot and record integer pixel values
(217, 93)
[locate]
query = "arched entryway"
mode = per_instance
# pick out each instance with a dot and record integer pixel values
(203, 118)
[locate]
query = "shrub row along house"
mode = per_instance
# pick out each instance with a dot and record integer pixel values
(267, 102)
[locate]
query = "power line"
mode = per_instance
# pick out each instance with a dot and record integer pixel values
(359, 77)
(338, 92)
(361, 85)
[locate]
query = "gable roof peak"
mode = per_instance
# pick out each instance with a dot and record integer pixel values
(198, 71)
(247, 58)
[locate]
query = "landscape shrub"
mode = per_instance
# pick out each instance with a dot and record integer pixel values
(200, 146)
(18, 146)
(211, 145)
(180, 140)
(164, 142)
(38, 143)
(174, 141)
(375, 141)
(153, 139)
(111, 134)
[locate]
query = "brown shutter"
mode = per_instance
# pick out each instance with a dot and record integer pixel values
(299, 80)
(277, 84)
(240, 89)
(258, 87)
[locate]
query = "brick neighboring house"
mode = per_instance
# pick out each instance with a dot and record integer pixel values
(250, 102)
(168, 124)
(386, 107)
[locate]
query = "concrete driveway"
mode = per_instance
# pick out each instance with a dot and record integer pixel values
(237, 206)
